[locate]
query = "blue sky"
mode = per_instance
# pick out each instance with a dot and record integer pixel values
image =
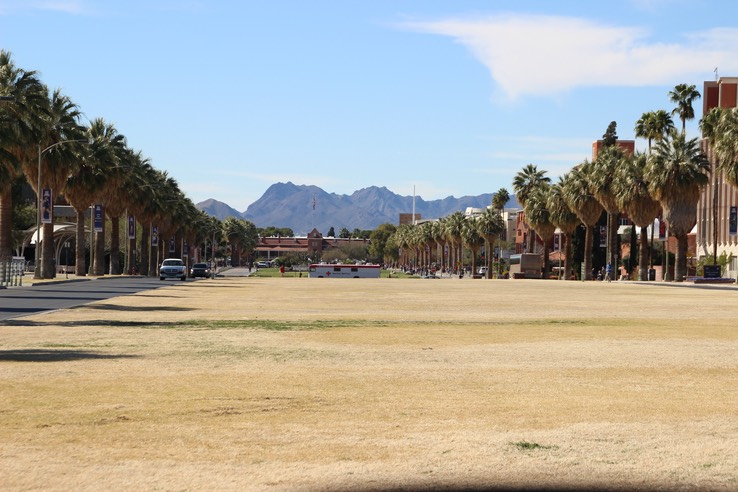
(447, 97)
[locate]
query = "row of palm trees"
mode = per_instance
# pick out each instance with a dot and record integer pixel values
(442, 242)
(41, 132)
(664, 181)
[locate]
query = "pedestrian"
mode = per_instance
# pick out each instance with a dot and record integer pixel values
(608, 272)
(281, 270)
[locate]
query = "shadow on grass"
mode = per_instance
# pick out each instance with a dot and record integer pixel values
(46, 355)
(94, 322)
(114, 307)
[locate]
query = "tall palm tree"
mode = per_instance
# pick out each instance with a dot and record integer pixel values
(539, 218)
(717, 143)
(17, 135)
(608, 161)
(473, 240)
(500, 199)
(635, 198)
(490, 226)
(578, 195)
(563, 217)
(56, 121)
(683, 95)
(653, 125)
(453, 226)
(104, 153)
(527, 180)
(676, 171)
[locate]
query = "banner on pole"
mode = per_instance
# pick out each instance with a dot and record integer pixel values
(171, 245)
(185, 249)
(131, 227)
(733, 221)
(47, 210)
(98, 226)
(154, 237)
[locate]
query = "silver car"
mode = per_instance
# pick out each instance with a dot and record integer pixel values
(173, 268)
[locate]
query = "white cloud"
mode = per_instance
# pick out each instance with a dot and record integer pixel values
(541, 55)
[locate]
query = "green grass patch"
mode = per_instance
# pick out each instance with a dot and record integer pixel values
(531, 446)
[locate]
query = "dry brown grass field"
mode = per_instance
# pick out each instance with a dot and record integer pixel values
(319, 384)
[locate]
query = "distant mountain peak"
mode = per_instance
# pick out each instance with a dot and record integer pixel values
(304, 207)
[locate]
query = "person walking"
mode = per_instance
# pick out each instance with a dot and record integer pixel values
(608, 272)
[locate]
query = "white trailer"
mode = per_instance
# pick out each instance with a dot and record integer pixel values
(324, 270)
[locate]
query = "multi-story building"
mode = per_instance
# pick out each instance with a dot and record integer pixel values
(721, 93)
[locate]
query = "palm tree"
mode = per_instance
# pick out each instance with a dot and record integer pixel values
(538, 216)
(500, 199)
(676, 171)
(563, 217)
(717, 143)
(490, 226)
(683, 95)
(17, 135)
(56, 121)
(525, 182)
(608, 161)
(635, 198)
(453, 225)
(473, 240)
(578, 195)
(653, 125)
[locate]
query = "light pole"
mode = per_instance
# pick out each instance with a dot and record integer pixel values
(36, 269)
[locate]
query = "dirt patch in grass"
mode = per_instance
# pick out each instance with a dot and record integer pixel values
(307, 384)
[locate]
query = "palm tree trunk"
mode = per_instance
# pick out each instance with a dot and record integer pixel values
(6, 222)
(588, 240)
(680, 266)
(643, 255)
(567, 256)
(145, 248)
(131, 257)
(546, 255)
(98, 264)
(80, 267)
(115, 246)
(47, 252)
(612, 237)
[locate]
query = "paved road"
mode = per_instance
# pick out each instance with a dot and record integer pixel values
(23, 301)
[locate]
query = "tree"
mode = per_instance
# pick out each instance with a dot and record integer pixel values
(676, 170)
(719, 142)
(500, 199)
(490, 225)
(654, 125)
(473, 240)
(526, 181)
(539, 218)
(683, 96)
(578, 195)
(378, 242)
(633, 196)
(563, 217)
(55, 122)
(344, 233)
(609, 159)
(331, 232)
(17, 135)
(452, 231)
(610, 138)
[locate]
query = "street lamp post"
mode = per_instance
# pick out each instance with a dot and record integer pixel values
(37, 269)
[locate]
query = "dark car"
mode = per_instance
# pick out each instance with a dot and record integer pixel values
(200, 270)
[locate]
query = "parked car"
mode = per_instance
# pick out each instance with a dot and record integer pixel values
(173, 268)
(263, 264)
(200, 270)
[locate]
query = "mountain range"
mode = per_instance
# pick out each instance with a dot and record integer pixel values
(304, 207)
